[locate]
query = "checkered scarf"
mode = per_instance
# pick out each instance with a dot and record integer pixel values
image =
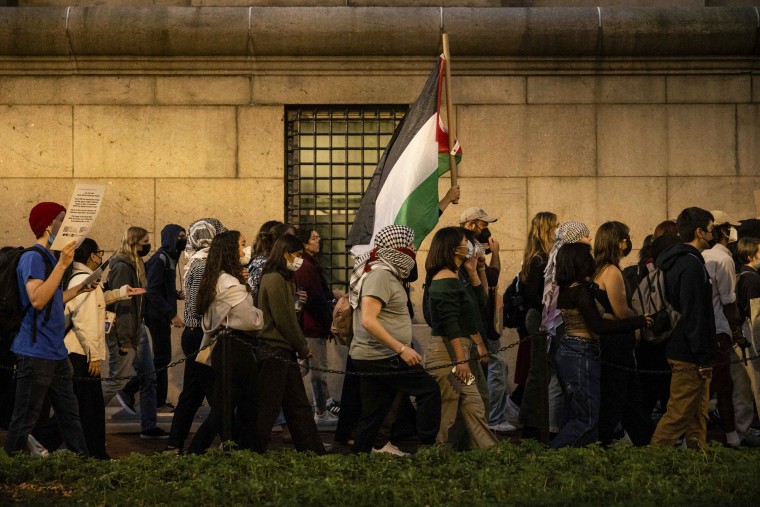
(391, 253)
(199, 237)
(569, 232)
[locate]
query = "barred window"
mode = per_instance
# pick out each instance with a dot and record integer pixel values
(331, 154)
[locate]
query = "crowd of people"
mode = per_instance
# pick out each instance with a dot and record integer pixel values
(590, 363)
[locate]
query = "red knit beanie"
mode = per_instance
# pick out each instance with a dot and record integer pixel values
(43, 215)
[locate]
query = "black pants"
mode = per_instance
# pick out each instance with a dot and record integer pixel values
(378, 393)
(620, 393)
(655, 387)
(350, 405)
(198, 382)
(92, 411)
(281, 385)
(240, 361)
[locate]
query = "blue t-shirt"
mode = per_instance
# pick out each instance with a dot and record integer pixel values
(49, 344)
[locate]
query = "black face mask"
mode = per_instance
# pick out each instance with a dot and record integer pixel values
(145, 250)
(483, 236)
(180, 246)
(413, 275)
(628, 247)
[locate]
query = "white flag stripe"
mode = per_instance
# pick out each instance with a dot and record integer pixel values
(415, 165)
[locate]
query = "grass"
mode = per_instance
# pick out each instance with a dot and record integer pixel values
(525, 474)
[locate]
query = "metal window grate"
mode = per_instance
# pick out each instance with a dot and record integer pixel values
(331, 154)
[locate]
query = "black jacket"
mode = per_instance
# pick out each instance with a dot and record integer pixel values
(161, 272)
(689, 290)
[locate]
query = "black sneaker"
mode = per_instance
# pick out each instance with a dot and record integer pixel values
(127, 402)
(155, 434)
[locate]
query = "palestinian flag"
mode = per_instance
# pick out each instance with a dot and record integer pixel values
(404, 188)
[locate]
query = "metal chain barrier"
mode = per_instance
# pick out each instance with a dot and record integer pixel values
(136, 375)
(256, 348)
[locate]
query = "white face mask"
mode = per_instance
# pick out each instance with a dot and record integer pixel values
(246, 258)
(733, 235)
(296, 264)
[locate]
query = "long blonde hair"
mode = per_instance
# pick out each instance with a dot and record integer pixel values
(128, 249)
(540, 239)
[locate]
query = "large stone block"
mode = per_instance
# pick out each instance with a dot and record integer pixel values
(595, 89)
(33, 32)
(110, 90)
(488, 89)
(526, 32)
(527, 140)
(35, 141)
(686, 32)
(732, 194)
(748, 139)
(503, 198)
(239, 203)
(199, 90)
(701, 140)
(569, 198)
(161, 31)
(632, 140)
(349, 31)
(261, 142)
(640, 203)
(127, 202)
(154, 141)
(358, 89)
(709, 89)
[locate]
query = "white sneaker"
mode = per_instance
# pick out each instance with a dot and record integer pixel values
(35, 447)
(502, 427)
(512, 413)
(325, 417)
(389, 448)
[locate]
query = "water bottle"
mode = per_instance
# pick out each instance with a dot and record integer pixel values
(297, 300)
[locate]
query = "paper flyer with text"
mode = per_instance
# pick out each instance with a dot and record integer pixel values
(81, 213)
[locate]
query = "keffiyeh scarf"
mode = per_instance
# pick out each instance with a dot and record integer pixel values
(391, 252)
(569, 232)
(200, 235)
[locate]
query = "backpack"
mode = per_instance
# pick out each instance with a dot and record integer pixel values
(514, 304)
(342, 326)
(649, 298)
(11, 313)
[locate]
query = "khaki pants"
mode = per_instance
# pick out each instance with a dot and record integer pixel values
(687, 408)
(453, 392)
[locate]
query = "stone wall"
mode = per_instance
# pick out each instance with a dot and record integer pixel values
(175, 138)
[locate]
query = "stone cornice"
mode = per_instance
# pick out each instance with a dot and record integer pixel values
(313, 32)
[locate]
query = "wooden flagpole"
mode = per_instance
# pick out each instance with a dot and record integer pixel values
(450, 110)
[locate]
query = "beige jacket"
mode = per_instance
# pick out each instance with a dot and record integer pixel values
(86, 316)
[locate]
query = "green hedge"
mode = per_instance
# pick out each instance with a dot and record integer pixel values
(525, 474)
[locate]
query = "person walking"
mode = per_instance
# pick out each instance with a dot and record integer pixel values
(454, 318)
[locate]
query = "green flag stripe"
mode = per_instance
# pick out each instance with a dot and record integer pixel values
(420, 209)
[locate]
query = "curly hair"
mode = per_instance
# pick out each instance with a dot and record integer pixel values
(223, 257)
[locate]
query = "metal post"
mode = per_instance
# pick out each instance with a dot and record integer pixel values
(543, 388)
(226, 387)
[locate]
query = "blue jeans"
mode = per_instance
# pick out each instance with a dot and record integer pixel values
(318, 347)
(498, 385)
(578, 371)
(118, 366)
(38, 378)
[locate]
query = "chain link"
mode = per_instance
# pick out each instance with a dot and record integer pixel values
(256, 348)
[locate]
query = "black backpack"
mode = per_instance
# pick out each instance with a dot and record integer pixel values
(11, 313)
(514, 304)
